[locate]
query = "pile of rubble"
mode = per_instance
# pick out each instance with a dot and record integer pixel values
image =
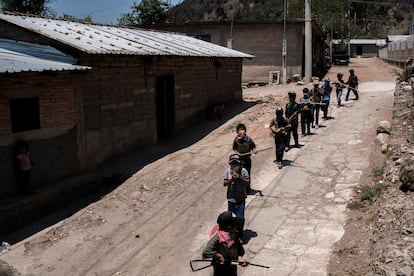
(393, 237)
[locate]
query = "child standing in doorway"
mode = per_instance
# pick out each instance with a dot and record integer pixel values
(24, 165)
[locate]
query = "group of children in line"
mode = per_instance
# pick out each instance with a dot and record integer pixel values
(226, 239)
(285, 124)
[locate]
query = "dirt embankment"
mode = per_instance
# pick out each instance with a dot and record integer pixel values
(379, 237)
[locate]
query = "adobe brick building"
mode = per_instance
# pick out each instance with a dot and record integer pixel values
(143, 86)
(264, 40)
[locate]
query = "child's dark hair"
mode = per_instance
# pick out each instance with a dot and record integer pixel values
(19, 144)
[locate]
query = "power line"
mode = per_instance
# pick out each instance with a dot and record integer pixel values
(111, 8)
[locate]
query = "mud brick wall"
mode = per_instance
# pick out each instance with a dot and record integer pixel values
(117, 101)
(53, 146)
(264, 40)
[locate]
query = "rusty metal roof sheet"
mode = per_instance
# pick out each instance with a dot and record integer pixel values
(18, 56)
(105, 39)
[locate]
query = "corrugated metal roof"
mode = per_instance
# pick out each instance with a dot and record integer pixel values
(377, 42)
(102, 39)
(22, 56)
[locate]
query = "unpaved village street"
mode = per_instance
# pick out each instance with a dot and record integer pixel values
(161, 216)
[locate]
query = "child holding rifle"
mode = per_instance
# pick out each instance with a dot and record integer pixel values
(279, 126)
(224, 247)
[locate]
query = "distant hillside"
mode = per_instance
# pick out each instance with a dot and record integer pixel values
(223, 10)
(359, 19)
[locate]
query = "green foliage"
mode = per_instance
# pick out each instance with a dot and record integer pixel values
(37, 7)
(377, 171)
(342, 18)
(371, 193)
(147, 12)
(405, 75)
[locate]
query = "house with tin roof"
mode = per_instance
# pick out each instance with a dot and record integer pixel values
(366, 47)
(264, 40)
(123, 88)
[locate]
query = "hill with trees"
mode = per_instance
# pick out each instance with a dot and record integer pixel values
(354, 19)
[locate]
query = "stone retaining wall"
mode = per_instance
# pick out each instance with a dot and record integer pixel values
(393, 236)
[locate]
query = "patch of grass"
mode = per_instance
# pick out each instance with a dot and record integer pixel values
(404, 75)
(371, 193)
(367, 194)
(378, 171)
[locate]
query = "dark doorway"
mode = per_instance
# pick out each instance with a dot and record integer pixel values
(359, 51)
(165, 107)
(24, 114)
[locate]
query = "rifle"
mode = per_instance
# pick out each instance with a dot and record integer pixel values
(353, 89)
(344, 85)
(211, 263)
(247, 153)
(350, 87)
(280, 130)
(293, 115)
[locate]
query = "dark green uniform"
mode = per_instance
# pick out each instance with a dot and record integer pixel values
(230, 254)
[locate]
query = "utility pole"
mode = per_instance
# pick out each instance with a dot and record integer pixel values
(308, 41)
(284, 49)
(230, 39)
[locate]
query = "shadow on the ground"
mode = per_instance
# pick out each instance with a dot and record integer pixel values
(291, 164)
(27, 215)
(248, 235)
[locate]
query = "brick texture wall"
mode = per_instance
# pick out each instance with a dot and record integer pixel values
(264, 40)
(53, 147)
(119, 111)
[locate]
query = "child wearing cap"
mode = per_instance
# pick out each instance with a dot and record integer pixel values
(316, 95)
(236, 179)
(306, 105)
(292, 111)
(223, 246)
(326, 97)
(244, 146)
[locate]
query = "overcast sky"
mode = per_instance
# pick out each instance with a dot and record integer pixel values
(101, 11)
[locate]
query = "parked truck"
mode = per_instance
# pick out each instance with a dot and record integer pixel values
(340, 53)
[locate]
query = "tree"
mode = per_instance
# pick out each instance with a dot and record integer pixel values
(37, 7)
(145, 13)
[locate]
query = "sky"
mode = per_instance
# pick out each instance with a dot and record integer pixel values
(101, 11)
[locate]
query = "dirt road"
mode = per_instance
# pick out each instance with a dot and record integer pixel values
(161, 216)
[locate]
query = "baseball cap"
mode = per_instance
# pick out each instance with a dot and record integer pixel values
(226, 220)
(234, 158)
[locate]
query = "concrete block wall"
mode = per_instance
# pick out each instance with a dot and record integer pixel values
(397, 52)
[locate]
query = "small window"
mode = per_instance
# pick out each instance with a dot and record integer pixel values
(24, 114)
